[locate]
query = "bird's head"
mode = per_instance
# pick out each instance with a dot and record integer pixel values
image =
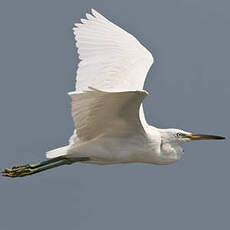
(181, 136)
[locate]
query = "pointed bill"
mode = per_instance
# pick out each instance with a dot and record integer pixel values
(204, 137)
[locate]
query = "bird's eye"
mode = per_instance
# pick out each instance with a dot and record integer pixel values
(179, 134)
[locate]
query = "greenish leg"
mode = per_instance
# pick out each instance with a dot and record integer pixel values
(29, 169)
(47, 162)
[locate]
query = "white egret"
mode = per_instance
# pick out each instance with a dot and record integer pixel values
(110, 126)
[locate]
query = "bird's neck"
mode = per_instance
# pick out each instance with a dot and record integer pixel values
(170, 147)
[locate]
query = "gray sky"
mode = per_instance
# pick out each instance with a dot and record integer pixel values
(189, 88)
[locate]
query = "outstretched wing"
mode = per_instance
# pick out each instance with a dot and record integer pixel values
(97, 113)
(114, 61)
(111, 58)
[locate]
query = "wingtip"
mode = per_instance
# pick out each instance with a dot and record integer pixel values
(89, 16)
(96, 14)
(83, 20)
(93, 11)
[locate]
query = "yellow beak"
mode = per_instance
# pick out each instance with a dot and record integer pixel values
(204, 137)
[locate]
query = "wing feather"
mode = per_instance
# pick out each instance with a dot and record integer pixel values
(113, 61)
(111, 58)
(96, 113)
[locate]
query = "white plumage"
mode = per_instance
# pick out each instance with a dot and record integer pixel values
(114, 61)
(107, 110)
(110, 125)
(111, 58)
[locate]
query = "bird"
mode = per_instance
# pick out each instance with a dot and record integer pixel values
(107, 105)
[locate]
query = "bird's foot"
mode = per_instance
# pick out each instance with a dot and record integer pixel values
(18, 171)
(29, 169)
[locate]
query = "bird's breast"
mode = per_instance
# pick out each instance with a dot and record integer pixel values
(169, 154)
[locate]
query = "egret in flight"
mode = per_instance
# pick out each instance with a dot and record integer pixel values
(110, 126)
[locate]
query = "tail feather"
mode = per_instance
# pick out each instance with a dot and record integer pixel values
(57, 152)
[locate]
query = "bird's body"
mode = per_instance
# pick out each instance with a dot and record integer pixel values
(145, 147)
(116, 64)
(110, 125)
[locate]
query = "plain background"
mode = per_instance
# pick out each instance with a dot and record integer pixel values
(189, 89)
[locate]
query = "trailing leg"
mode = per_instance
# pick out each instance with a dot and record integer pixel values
(29, 169)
